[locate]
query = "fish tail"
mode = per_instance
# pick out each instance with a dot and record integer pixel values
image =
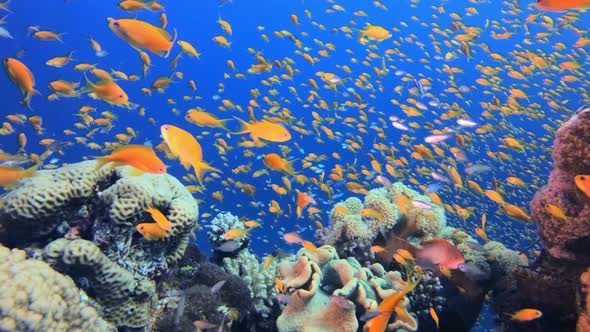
(58, 38)
(167, 54)
(201, 168)
(4, 6)
(223, 124)
(289, 168)
(102, 53)
(101, 161)
(31, 170)
(245, 126)
(27, 99)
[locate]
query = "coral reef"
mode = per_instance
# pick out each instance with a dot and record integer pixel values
(98, 210)
(37, 298)
(230, 304)
(352, 234)
(125, 298)
(325, 293)
(259, 279)
(566, 251)
(571, 157)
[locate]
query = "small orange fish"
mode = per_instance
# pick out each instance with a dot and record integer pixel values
(141, 157)
(557, 212)
(434, 316)
(11, 175)
(562, 5)
(236, 233)
(109, 91)
(140, 34)
(151, 231)
(276, 163)
(583, 183)
(22, 77)
(525, 315)
(387, 306)
(188, 150)
(268, 131)
(292, 238)
(160, 218)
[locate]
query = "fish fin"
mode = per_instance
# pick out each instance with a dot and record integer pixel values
(4, 6)
(201, 168)
(135, 172)
(27, 99)
(223, 122)
(100, 162)
(167, 54)
(245, 126)
(289, 168)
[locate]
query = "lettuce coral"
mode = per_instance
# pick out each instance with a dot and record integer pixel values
(325, 293)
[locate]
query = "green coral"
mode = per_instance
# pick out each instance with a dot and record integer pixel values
(125, 298)
(37, 298)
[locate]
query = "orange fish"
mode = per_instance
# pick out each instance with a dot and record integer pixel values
(269, 131)
(109, 91)
(275, 162)
(524, 315)
(386, 307)
(236, 233)
(140, 35)
(303, 200)
(151, 231)
(583, 183)
(160, 218)
(204, 119)
(141, 157)
(562, 5)
(292, 238)
(22, 77)
(11, 175)
(188, 150)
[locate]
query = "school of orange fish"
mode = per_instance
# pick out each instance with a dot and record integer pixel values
(475, 147)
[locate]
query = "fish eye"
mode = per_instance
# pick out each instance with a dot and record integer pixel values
(582, 178)
(161, 169)
(116, 23)
(120, 96)
(141, 227)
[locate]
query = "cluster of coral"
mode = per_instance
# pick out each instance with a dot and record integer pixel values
(78, 226)
(352, 233)
(85, 218)
(565, 256)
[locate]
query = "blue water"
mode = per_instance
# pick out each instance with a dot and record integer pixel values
(412, 49)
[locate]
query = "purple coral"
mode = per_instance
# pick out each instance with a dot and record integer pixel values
(571, 154)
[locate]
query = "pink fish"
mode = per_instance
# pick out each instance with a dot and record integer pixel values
(440, 252)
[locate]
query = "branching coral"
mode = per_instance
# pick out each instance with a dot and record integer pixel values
(259, 278)
(37, 298)
(222, 223)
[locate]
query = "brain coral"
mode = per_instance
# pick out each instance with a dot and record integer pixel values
(125, 297)
(103, 206)
(37, 298)
(571, 157)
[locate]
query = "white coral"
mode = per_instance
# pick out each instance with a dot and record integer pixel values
(259, 278)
